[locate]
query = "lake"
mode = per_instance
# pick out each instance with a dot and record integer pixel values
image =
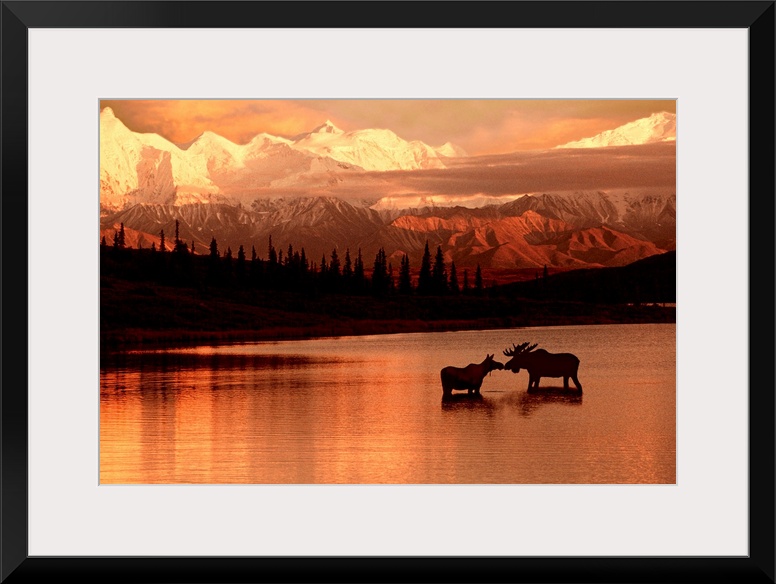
(369, 409)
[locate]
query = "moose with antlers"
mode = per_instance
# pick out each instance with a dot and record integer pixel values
(469, 377)
(539, 363)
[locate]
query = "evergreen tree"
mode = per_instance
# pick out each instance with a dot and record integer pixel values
(391, 283)
(454, 287)
(162, 246)
(192, 247)
(255, 269)
(424, 278)
(347, 267)
(478, 281)
(153, 247)
(303, 261)
(405, 280)
(334, 274)
(122, 237)
(324, 267)
(359, 279)
(180, 269)
(439, 273)
(380, 283)
(103, 243)
(272, 254)
(465, 288)
(334, 264)
(240, 266)
(180, 246)
(116, 241)
(226, 266)
(347, 271)
(214, 262)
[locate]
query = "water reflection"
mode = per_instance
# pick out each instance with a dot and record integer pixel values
(464, 402)
(530, 401)
(168, 361)
(525, 402)
(365, 410)
(466, 398)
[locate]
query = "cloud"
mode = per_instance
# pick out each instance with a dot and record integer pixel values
(651, 166)
(642, 168)
(181, 121)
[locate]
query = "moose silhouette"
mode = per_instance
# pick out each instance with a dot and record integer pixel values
(469, 377)
(539, 363)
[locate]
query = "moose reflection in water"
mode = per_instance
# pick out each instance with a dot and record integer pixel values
(540, 363)
(469, 377)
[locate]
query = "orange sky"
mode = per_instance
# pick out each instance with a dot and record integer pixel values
(493, 126)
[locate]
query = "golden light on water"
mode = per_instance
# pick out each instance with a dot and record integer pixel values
(369, 410)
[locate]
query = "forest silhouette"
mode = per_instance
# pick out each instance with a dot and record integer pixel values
(175, 293)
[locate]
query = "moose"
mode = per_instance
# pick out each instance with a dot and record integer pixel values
(539, 363)
(469, 377)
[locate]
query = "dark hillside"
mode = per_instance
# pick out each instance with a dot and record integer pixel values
(153, 299)
(651, 280)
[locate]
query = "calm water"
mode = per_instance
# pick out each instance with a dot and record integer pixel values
(370, 410)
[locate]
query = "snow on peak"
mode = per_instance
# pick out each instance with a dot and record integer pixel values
(209, 140)
(474, 201)
(327, 128)
(110, 123)
(264, 139)
(371, 149)
(138, 167)
(451, 150)
(659, 127)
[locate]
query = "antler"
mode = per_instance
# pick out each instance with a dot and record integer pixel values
(517, 349)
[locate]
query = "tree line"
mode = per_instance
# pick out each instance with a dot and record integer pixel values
(288, 270)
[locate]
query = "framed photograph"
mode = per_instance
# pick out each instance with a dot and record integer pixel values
(300, 301)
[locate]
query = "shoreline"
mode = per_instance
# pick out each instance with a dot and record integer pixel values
(133, 339)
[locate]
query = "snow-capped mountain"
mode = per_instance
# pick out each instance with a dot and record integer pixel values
(659, 127)
(378, 150)
(146, 168)
(289, 189)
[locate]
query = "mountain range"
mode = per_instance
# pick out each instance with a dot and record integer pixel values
(586, 229)
(659, 127)
(147, 168)
(242, 194)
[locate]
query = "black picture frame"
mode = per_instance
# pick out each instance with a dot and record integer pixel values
(18, 16)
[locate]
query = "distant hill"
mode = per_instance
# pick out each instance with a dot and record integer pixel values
(650, 280)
